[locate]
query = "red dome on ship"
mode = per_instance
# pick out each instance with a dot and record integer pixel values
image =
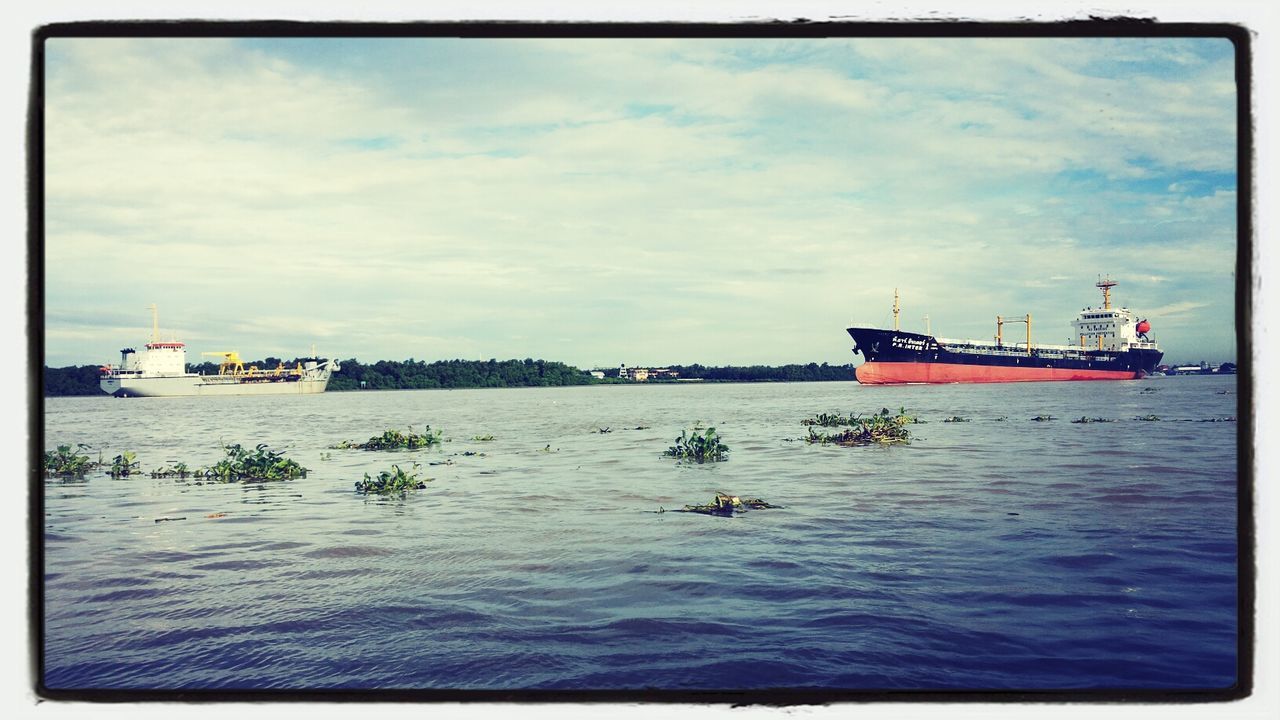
(1144, 327)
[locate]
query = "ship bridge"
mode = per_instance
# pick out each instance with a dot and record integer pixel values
(1109, 328)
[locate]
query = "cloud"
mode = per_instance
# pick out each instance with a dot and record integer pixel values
(669, 200)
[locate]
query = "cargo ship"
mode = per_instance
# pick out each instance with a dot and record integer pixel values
(160, 370)
(1113, 345)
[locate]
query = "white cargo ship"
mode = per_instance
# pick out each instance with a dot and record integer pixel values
(160, 370)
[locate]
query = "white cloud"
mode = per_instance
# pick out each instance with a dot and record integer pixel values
(476, 192)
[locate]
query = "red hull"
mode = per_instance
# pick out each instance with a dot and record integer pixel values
(886, 373)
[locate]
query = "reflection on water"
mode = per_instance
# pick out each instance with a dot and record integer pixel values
(989, 554)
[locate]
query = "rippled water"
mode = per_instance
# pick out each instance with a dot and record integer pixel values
(993, 554)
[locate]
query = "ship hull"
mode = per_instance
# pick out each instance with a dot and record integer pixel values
(894, 357)
(204, 385)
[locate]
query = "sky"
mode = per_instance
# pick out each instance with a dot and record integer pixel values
(637, 201)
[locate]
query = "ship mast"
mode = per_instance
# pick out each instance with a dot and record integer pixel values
(155, 323)
(895, 309)
(1105, 284)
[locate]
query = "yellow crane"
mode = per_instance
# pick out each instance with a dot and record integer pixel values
(231, 364)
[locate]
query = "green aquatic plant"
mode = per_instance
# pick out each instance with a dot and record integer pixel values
(393, 482)
(177, 470)
(65, 461)
(1043, 418)
(484, 438)
(394, 440)
(725, 505)
(837, 420)
(1002, 418)
(880, 428)
(261, 464)
(1148, 418)
(124, 464)
(829, 420)
(698, 446)
(956, 419)
(1092, 420)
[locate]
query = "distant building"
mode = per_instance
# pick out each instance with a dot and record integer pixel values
(597, 374)
(639, 374)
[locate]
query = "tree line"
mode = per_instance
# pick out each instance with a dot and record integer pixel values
(812, 372)
(418, 374)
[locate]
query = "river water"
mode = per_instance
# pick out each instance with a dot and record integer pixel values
(999, 553)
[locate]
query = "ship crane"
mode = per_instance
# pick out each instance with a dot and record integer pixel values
(231, 363)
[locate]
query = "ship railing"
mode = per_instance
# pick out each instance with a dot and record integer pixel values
(1046, 352)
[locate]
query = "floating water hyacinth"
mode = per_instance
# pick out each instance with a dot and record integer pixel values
(261, 464)
(881, 428)
(1148, 418)
(725, 505)
(483, 438)
(698, 446)
(176, 470)
(393, 482)
(1092, 420)
(1043, 418)
(395, 440)
(829, 420)
(65, 461)
(124, 464)
(956, 419)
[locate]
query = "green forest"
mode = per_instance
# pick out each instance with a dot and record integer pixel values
(420, 375)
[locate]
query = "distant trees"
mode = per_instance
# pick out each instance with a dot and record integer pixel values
(417, 374)
(71, 380)
(812, 372)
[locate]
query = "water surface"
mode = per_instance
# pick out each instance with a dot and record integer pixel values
(1000, 553)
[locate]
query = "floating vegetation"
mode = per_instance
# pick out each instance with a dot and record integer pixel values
(65, 461)
(393, 482)
(124, 464)
(881, 428)
(1149, 390)
(1091, 420)
(548, 449)
(698, 446)
(829, 420)
(1148, 418)
(725, 505)
(1002, 418)
(1225, 419)
(471, 453)
(641, 427)
(956, 418)
(838, 420)
(177, 470)
(261, 464)
(1223, 392)
(1043, 418)
(604, 430)
(484, 438)
(395, 440)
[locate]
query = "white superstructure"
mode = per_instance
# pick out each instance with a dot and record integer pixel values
(160, 370)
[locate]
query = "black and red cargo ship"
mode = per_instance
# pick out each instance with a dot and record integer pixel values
(1113, 345)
